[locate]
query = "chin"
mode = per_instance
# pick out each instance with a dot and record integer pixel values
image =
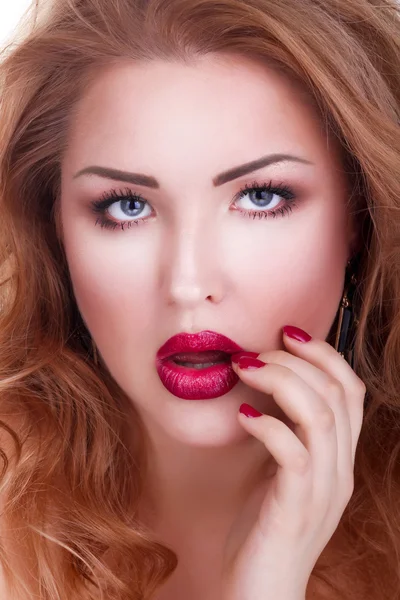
(206, 435)
(203, 423)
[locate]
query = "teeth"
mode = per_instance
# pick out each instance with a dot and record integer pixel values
(197, 365)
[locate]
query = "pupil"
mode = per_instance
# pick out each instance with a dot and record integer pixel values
(263, 201)
(137, 206)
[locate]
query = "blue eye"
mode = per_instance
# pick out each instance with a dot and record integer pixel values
(275, 200)
(130, 205)
(261, 203)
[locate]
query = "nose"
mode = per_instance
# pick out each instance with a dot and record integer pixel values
(191, 270)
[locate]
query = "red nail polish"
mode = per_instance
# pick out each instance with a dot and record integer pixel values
(250, 363)
(296, 333)
(238, 355)
(249, 411)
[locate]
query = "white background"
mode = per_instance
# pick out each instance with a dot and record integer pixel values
(10, 13)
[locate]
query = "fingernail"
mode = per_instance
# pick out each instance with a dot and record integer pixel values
(250, 363)
(236, 357)
(249, 411)
(296, 333)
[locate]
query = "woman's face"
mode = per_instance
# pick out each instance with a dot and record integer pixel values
(195, 256)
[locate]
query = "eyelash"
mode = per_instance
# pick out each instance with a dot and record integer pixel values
(99, 207)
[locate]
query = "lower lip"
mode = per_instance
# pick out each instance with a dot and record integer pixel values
(197, 384)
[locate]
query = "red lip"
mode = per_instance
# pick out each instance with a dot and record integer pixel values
(197, 342)
(193, 384)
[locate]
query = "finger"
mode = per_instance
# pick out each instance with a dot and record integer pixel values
(330, 390)
(293, 479)
(313, 416)
(325, 357)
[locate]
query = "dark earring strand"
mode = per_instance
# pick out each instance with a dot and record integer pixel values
(347, 320)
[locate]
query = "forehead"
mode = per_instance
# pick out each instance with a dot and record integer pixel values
(217, 103)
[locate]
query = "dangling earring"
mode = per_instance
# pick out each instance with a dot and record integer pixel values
(347, 320)
(94, 352)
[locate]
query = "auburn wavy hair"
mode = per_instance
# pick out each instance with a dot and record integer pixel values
(70, 484)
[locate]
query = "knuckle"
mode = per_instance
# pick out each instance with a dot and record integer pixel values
(334, 388)
(286, 375)
(360, 388)
(302, 463)
(324, 420)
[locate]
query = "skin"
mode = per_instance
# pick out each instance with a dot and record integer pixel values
(198, 264)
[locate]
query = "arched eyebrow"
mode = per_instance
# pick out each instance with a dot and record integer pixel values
(224, 177)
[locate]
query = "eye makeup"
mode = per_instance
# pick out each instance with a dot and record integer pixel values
(136, 204)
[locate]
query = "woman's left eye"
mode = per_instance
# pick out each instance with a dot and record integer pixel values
(265, 200)
(251, 201)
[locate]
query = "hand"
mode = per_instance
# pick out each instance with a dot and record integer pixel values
(303, 502)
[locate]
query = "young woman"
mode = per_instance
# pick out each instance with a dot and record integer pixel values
(200, 301)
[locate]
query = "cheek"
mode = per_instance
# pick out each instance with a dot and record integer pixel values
(294, 276)
(110, 282)
(305, 295)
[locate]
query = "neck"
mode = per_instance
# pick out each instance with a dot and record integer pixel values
(194, 486)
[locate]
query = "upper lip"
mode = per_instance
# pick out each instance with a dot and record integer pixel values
(197, 342)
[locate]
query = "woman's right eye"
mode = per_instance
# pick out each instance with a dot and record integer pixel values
(129, 208)
(126, 208)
